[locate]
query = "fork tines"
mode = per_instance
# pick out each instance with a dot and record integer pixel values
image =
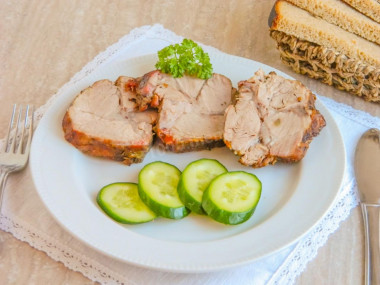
(20, 129)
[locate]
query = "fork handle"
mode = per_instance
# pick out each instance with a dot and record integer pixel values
(371, 217)
(3, 181)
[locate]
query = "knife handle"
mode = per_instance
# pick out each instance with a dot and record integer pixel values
(371, 217)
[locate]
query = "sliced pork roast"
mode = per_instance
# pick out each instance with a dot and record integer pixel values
(102, 122)
(191, 110)
(273, 119)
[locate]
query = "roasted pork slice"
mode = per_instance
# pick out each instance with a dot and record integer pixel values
(102, 122)
(191, 110)
(272, 119)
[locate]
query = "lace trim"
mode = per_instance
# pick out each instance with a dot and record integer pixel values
(363, 118)
(295, 263)
(60, 252)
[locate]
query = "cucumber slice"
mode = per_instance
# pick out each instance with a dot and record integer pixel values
(194, 180)
(122, 203)
(158, 183)
(231, 198)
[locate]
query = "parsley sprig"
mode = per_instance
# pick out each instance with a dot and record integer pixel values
(185, 58)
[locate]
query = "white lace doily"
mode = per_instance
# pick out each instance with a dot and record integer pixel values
(281, 268)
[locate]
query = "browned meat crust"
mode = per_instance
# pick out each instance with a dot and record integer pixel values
(101, 122)
(102, 147)
(274, 119)
(167, 142)
(191, 110)
(269, 119)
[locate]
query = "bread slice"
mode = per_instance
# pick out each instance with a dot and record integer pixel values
(297, 22)
(329, 66)
(371, 8)
(340, 14)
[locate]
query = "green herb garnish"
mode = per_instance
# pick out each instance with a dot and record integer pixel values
(187, 57)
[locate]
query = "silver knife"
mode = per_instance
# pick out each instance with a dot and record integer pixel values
(367, 172)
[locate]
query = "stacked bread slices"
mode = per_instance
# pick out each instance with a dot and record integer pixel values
(337, 42)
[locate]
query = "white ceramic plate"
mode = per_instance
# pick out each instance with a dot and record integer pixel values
(294, 197)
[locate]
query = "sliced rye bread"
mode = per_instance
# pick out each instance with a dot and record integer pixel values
(343, 15)
(297, 22)
(323, 51)
(371, 8)
(329, 66)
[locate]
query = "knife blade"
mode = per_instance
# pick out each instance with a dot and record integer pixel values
(367, 167)
(367, 172)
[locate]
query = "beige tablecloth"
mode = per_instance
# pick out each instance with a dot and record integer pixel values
(27, 218)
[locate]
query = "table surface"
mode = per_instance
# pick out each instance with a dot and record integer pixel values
(44, 43)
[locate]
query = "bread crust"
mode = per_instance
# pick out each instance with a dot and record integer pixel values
(277, 18)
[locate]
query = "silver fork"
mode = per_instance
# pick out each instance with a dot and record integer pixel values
(15, 152)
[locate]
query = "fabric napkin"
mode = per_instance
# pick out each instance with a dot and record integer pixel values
(25, 216)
